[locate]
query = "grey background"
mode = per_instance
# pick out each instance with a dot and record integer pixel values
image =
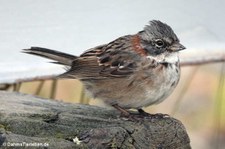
(76, 25)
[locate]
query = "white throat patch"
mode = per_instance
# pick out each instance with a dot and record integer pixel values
(166, 57)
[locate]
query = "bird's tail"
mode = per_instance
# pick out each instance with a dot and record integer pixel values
(58, 57)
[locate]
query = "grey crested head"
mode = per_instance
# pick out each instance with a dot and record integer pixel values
(157, 29)
(158, 37)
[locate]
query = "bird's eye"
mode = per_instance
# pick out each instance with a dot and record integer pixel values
(159, 43)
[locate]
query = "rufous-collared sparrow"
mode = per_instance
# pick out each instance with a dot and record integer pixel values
(133, 71)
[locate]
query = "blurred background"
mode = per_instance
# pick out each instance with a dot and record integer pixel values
(74, 26)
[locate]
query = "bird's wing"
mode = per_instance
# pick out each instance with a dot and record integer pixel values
(111, 60)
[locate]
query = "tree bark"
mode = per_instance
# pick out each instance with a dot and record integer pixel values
(30, 121)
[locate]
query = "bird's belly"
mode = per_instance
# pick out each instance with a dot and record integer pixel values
(142, 92)
(164, 84)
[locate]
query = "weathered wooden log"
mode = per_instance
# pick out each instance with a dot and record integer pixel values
(29, 121)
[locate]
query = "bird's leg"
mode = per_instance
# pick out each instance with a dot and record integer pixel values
(126, 114)
(123, 111)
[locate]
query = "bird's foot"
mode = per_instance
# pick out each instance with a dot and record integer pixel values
(138, 116)
(127, 115)
(148, 115)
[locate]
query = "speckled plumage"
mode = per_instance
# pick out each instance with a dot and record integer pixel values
(133, 71)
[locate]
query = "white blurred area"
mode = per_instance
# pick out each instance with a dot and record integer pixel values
(75, 25)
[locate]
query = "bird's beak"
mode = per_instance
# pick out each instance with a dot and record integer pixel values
(177, 47)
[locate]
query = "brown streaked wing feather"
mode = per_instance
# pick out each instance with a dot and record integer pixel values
(120, 63)
(94, 51)
(111, 60)
(84, 68)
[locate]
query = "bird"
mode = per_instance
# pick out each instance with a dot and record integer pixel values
(131, 72)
